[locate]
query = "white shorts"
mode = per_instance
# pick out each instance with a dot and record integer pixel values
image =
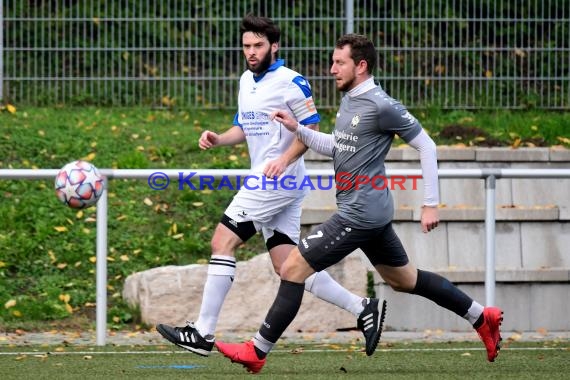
(269, 211)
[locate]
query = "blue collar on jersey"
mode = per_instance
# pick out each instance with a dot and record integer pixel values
(273, 67)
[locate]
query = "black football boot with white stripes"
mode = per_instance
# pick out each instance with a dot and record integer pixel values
(188, 337)
(370, 322)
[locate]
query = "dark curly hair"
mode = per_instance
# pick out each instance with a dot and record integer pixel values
(261, 26)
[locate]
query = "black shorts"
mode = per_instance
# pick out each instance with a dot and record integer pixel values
(332, 241)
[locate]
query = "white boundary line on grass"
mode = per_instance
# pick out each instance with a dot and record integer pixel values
(52, 353)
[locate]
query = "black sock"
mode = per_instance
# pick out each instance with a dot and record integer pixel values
(260, 354)
(441, 291)
(479, 321)
(283, 310)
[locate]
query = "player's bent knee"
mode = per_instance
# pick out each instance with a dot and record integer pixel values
(400, 279)
(277, 270)
(400, 284)
(220, 245)
(279, 254)
(295, 268)
(227, 236)
(224, 245)
(401, 288)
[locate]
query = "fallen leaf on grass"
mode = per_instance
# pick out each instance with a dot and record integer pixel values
(516, 143)
(514, 337)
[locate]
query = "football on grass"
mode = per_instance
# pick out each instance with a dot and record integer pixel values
(79, 184)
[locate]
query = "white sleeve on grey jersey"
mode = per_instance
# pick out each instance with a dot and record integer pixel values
(428, 160)
(320, 142)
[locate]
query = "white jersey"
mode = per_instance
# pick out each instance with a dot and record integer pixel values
(278, 88)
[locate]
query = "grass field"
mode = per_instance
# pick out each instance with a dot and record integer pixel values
(454, 360)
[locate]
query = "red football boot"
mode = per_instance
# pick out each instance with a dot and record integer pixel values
(242, 353)
(489, 331)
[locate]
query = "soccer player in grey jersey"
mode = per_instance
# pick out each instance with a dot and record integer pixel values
(365, 126)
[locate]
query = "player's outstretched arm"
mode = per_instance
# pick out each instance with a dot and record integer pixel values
(210, 139)
(322, 143)
(286, 119)
(275, 168)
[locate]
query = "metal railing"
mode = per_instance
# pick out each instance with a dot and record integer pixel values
(489, 175)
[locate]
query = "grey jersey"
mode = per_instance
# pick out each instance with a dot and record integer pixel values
(364, 130)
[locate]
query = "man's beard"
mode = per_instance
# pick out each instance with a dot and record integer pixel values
(263, 64)
(346, 86)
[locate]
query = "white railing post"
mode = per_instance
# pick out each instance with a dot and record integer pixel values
(349, 12)
(101, 271)
(490, 240)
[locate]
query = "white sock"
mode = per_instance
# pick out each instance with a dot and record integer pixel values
(323, 286)
(221, 272)
(474, 312)
(262, 344)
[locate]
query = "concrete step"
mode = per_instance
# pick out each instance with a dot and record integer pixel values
(527, 306)
(458, 213)
(502, 275)
(463, 153)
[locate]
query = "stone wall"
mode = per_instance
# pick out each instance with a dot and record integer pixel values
(173, 295)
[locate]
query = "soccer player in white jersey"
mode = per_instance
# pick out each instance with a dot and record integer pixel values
(260, 205)
(367, 121)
